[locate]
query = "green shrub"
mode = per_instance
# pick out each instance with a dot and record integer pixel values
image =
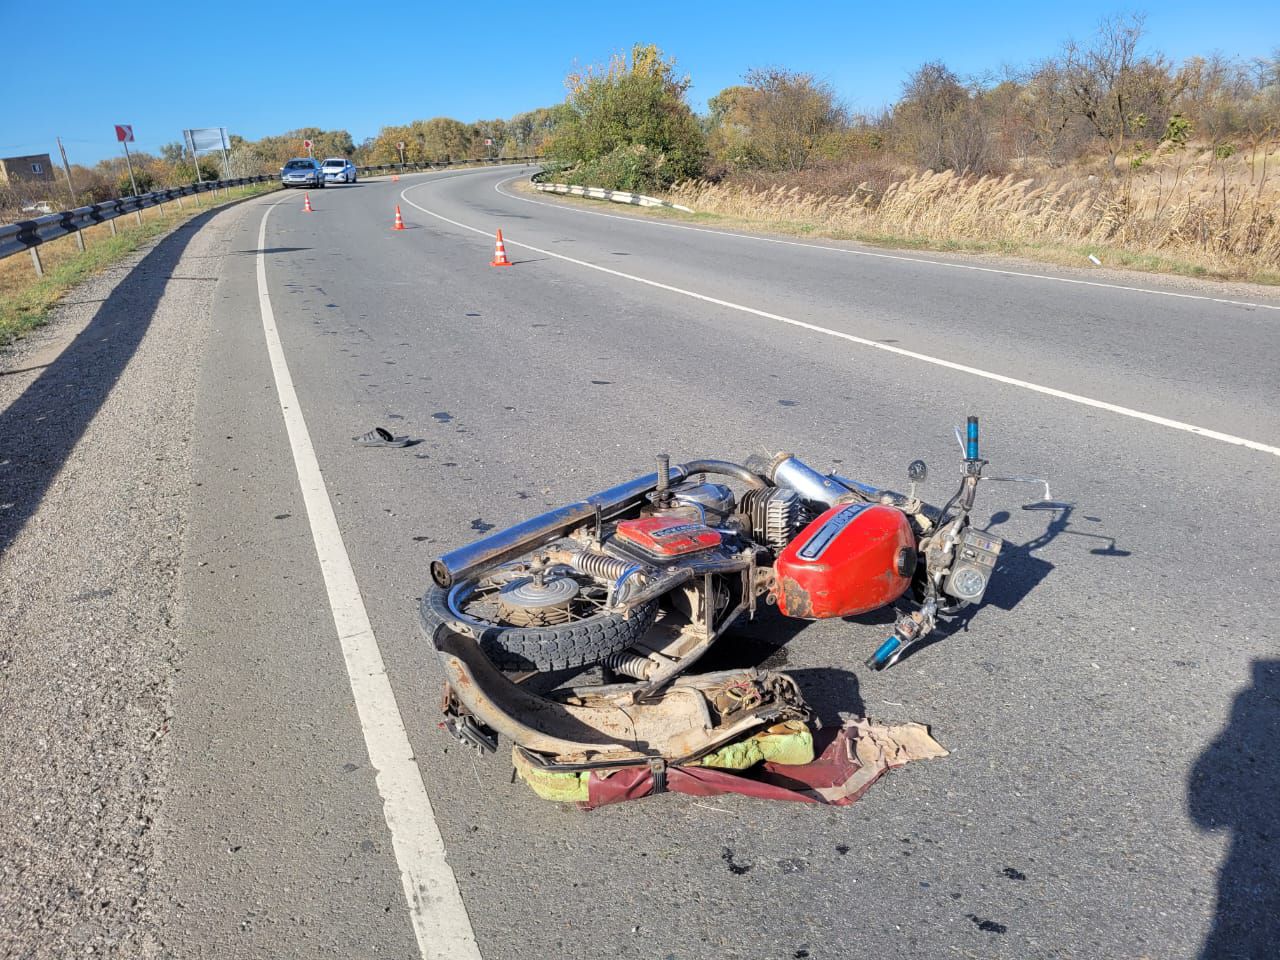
(633, 168)
(628, 126)
(146, 183)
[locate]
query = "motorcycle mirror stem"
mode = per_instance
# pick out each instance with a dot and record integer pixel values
(917, 473)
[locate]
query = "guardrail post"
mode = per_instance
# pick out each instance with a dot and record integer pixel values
(181, 205)
(112, 224)
(80, 240)
(35, 260)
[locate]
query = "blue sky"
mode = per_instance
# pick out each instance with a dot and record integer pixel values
(257, 71)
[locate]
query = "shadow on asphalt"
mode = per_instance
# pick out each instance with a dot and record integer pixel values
(1234, 786)
(1019, 571)
(42, 426)
(830, 692)
(762, 642)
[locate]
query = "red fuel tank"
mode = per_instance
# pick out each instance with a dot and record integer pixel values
(854, 558)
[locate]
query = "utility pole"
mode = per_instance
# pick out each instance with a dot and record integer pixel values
(66, 168)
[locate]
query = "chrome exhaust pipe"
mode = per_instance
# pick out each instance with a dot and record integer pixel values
(787, 471)
(538, 531)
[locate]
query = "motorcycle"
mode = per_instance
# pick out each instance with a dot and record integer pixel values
(641, 579)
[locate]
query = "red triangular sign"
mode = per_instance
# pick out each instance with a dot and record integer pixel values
(124, 132)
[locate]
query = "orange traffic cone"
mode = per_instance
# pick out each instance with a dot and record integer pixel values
(399, 225)
(306, 205)
(500, 254)
(395, 178)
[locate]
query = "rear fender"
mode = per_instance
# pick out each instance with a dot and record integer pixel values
(610, 724)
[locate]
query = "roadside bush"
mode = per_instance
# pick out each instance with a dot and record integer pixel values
(628, 126)
(779, 120)
(184, 172)
(633, 168)
(146, 182)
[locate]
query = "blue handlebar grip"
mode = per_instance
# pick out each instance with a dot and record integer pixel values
(884, 652)
(971, 439)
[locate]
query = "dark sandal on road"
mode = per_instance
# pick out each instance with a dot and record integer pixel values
(381, 437)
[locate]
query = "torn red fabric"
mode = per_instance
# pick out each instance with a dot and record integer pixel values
(848, 763)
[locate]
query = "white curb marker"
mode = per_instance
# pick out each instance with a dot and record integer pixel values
(888, 348)
(436, 910)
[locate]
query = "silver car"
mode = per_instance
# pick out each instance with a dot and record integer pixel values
(302, 172)
(339, 169)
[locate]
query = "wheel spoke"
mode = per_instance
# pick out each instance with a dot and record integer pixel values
(483, 603)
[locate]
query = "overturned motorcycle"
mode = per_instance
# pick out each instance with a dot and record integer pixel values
(643, 578)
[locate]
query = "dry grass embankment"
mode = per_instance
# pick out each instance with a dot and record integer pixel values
(1189, 213)
(25, 299)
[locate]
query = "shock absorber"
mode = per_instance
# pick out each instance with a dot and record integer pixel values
(629, 664)
(598, 564)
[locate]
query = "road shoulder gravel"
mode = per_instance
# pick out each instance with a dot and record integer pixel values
(95, 423)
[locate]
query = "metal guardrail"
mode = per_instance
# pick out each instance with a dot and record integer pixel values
(29, 234)
(600, 193)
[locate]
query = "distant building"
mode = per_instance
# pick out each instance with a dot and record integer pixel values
(37, 168)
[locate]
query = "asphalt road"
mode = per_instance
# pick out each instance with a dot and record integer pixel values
(1113, 712)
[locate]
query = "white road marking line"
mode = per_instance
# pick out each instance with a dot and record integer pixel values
(888, 348)
(851, 251)
(436, 910)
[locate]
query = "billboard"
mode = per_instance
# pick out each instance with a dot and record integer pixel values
(206, 139)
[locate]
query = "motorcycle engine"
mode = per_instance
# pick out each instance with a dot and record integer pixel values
(773, 516)
(713, 501)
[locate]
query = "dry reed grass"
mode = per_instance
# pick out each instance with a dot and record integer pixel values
(1222, 214)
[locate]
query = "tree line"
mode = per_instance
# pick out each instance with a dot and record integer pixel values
(1104, 101)
(441, 138)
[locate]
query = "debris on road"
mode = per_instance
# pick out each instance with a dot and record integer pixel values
(774, 764)
(381, 437)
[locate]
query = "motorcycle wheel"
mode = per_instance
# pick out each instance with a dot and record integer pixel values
(586, 636)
